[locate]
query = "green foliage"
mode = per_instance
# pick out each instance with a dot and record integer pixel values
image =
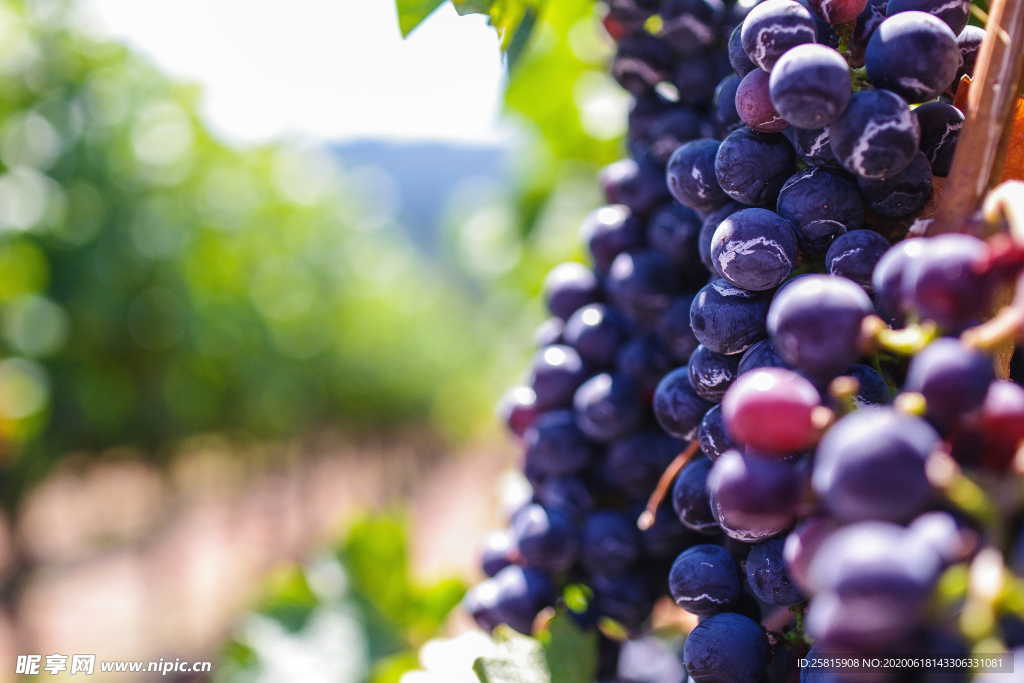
(411, 13)
(562, 653)
(356, 614)
(155, 282)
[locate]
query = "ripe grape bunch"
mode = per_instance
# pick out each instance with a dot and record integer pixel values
(761, 397)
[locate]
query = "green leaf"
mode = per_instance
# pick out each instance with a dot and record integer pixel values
(571, 653)
(519, 660)
(411, 13)
(464, 7)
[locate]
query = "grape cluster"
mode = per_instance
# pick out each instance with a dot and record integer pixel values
(744, 278)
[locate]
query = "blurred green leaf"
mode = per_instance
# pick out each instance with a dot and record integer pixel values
(519, 660)
(570, 653)
(412, 12)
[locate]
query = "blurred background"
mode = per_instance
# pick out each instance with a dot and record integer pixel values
(265, 269)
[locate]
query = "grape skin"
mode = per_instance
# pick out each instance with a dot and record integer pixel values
(877, 136)
(953, 13)
(608, 407)
(810, 86)
(727, 319)
(713, 436)
(751, 167)
(755, 249)
(753, 498)
(704, 579)
(902, 194)
(610, 543)
(596, 331)
(635, 183)
(726, 118)
(823, 204)
(940, 130)
(570, 286)
(641, 63)
(555, 374)
(726, 647)
(497, 552)
(690, 497)
(674, 231)
(634, 463)
(802, 545)
(761, 355)
(608, 232)
(953, 379)
(513, 596)
(770, 409)
(711, 373)
(691, 25)
(643, 360)
(556, 446)
(853, 255)
(677, 406)
(673, 330)
(1002, 422)
(913, 54)
(813, 147)
(544, 539)
(773, 27)
(691, 176)
(643, 284)
(738, 58)
(887, 281)
(754, 104)
(708, 227)
(518, 409)
(839, 11)
(969, 43)
(942, 282)
(768, 576)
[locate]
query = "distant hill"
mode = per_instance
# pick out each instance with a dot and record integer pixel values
(425, 174)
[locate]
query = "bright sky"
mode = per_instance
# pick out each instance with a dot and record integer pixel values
(326, 69)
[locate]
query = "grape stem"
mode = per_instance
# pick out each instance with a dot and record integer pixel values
(647, 517)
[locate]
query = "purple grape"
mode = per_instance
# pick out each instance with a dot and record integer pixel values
(608, 407)
(810, 86)
(942, 283)
(671, 129)
(772, 410)
(596, 332)
(624, 599)
(673, 330)
(726, 647)
(674, 231)
(644, 361)
(662, 541)
(872, 389)
(823, 204)
(708, 227)
(569, 496)
(738, 58)
(712, 434)
(815, 323)
(952, 12)
(641, 63)
(723, 109)
(691, 25)
(711, 373)
(813, 147)
(555, 374)
(853, 255)
(1002, 422)
(877, 136)
(773, 27)
(610, 543)
(754, 249)
(705, 579)
(969, 43)
(497, 552)
(754, 104)
(637, 184)
(690, 175)
(751, 167)
(544, 539)
(549, 333)
(631, 14)
(768, 576)
(887, 281)
(753, 498)
(838, 12)
(867, 21)
(902, 194)
(953, 378)
(608, 232)
(727, 319)
(950, 538)
(570, 286)
(940, 130)
(635, 462)
(859, 447)
(690, 497)
(761, 355)
(677, 406)
(555, 445)
(514, 596)
(643, 284)
(695, 79)
(518, 409)
(802, 545)
(913, 54)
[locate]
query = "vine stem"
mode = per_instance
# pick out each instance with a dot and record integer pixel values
(650, 513)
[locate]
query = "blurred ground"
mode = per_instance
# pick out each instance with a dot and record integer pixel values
(129, 563)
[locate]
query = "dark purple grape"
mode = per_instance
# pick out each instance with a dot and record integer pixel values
(673, 330)
(674, 231)
(690, 497)
(953, 378)
(754, 249)
(952, 12)
(913, 54)
(711, 373)
(813, 147)
(888, 280)
(761, 355)
(877, 136)
(825, 33)
(549, 333)
(868, 20)
(942, 283)
(810, 86)
(773, 27)
(596, 332)
(555, 446)
(497, 552)
(695, 79)
(637, 184)
(608, 232)
(853, 255)
(663, 540)
(705, 579)
(570, 496)
(642, 62)
(873, 588)
(713, 436)
(644, 361)
(635, 462)
(751, 167)
(822, 204)
(902, 194)
(969, 43)
(754, 104)
(863, 444)
(723, 109)
(872, 389)
(570, 286)
(610, 543)
(671, 129)
(802, 544)
(691, 25)
(708, 227)
(738, 58)
(727, 319)
(608, 407)
(726, 647)
(767, 575)
(815, 323)
(544, 539)
(643, 284)
(624, 599)
(950, 538)
(677, 406)
(771, 410)
(514, 596)
(518, 409)
(753, 498)
(838, 12)
(690, 175)
(555, 374)
(940, 130)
